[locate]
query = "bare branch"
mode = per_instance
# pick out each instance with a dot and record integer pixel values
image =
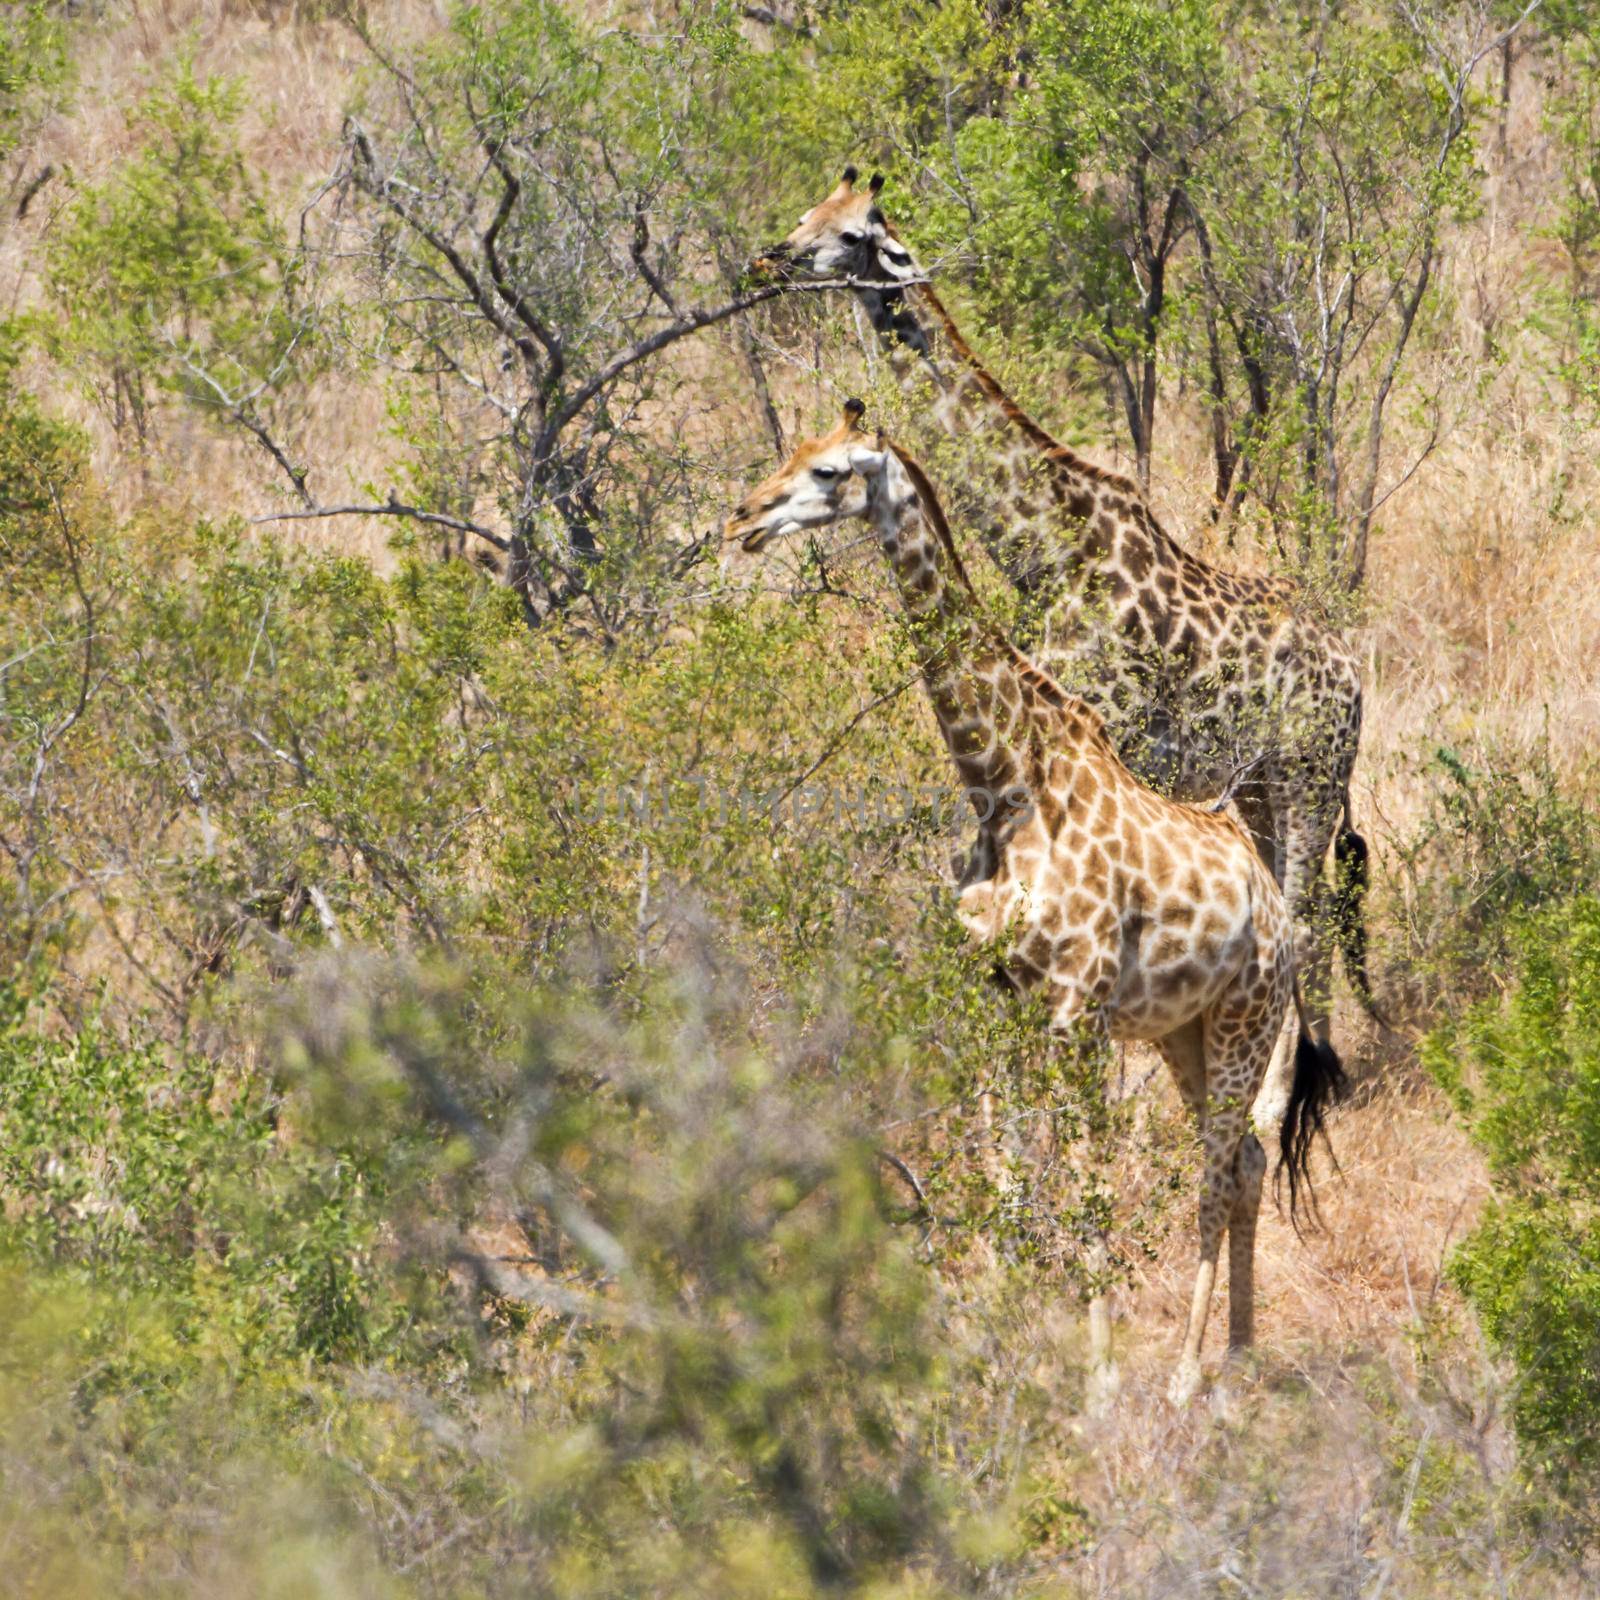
(1411, 471)
(680, 328)
(392, 508)
(242, 411)
(86, 672)
(41, 178)
(370, 181)
(837, 743)
(890, 1159)
(769, 18)
(511, 192)
(639, 250)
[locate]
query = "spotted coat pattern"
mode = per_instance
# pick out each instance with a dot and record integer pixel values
(1138, 916)
(1207, 679)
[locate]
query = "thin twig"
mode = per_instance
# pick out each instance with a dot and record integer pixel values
(837, 742)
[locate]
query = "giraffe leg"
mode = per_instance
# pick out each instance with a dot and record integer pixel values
(1185, 1054)
(1230, 1085)
(1313, 949)
(1277, 1082)
(1306, 816)
(1215, 1197)
(1072, 1030)
(1307, 823)
(1249, 1168)
(1293, 827)
(989, 1144)
(1104, 1380)
(1272, 1101)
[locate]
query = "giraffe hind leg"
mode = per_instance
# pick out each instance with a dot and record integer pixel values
(1104, 1380)
(1249, 1169)
(1272, 1101)
(1305, 814)
(1294, 831)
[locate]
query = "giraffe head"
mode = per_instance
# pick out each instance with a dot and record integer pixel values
(828, 479)
(845, 235)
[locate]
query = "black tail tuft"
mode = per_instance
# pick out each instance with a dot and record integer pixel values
(1319, 1081)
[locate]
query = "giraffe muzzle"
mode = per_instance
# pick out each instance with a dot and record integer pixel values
(772, 263)
(763, 534)
(784, 264)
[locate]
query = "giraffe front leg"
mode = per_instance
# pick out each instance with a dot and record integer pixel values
(1078, 1029)
(1224, 1129)
(1104, 1379)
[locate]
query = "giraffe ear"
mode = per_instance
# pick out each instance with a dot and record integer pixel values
(875, 183)
(869, 463)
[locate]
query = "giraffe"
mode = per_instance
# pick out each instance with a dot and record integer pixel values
(1205, 677)
(1138, 916)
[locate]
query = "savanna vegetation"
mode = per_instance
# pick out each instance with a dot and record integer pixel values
(494, 1099)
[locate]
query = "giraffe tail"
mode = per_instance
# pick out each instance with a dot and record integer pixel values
(1351, 873)
(1319, 1082)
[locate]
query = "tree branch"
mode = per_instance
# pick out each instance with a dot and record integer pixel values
(680, 328)
(367, 178)
(638, 248)
(392, 508)
(551, 342)
(241, 409)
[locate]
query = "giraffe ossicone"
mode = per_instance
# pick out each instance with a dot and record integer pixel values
(1137, 916)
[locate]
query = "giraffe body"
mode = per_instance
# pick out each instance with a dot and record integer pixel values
(1207, 679)
(1137, 916)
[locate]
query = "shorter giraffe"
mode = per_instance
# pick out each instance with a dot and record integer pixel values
(1138, 916)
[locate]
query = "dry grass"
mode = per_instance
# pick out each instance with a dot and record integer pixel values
(1478, 609)
(297, 79)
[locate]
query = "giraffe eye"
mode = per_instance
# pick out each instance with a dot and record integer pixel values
(899, 257)
(826, 474)
(851, 237)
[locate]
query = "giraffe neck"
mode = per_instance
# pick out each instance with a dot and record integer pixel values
(983, 690)
(1029, 477)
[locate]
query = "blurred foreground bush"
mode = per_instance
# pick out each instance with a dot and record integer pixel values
(543, 1295)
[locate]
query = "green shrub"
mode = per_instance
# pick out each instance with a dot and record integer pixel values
(33, 63)
(167, 277)
(584, 1286)
(1525, 1074)
(1500, 838)
(126, 1165)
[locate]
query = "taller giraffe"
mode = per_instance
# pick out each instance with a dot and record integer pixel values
(1138, 916)
(1208, 679)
